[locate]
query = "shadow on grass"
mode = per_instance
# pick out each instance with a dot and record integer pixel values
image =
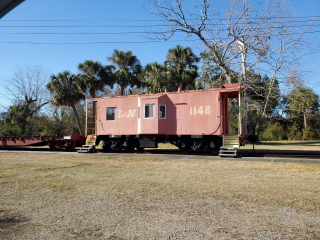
(289, 143)
(290, 148)
(10, 219)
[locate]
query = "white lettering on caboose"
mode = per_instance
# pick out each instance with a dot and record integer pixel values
(129, 113)
(200, 110)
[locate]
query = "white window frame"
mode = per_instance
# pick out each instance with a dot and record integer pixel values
(165, 111)
(152, 111)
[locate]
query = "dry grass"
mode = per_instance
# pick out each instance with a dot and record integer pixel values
(81, 197)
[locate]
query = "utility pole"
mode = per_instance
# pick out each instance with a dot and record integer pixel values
(244, 70)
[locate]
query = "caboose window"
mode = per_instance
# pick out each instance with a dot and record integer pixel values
(149, 111)
(110, 113)
(162, 112)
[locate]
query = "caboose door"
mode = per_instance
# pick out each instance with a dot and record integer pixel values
(148, 117)
(181, 117)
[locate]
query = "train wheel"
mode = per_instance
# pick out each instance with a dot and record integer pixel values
(128, 146)
(214, 145)
(70, 149)
(113, 147)
(184, 147)
(71, 146)
(137, 146)
(52, 146)
(106, 146)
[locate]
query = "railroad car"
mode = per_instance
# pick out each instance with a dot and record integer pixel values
(195, 120)
(54, 142)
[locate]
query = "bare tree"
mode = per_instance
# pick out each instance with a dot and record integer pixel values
(25, 90)
(259, 36)
(27, 83)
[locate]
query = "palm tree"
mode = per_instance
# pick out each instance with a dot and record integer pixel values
(157, 78)
(65, 92)
(305, 101)
(128, 69)
(182, 62)
(94, 77)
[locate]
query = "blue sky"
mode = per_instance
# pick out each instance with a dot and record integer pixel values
(100, 16)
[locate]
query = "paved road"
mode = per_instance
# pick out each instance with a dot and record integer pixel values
(287, 159)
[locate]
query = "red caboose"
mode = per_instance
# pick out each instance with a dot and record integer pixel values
(192, 120)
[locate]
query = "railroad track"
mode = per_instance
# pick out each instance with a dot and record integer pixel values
(267, 154)
(282, 155)
(296, 154)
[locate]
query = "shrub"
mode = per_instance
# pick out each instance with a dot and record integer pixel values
(311, 133)
(273, 132)
(294, 133)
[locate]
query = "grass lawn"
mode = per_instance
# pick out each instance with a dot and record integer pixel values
(81, 197)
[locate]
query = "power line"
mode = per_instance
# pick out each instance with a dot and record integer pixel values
(111, 33)
(79, 33)
(136, 32)
(129, 26)
(139, 20)
(223, 29)
(83, 26)
(79, 20)
(133, 32)
(122, 33)
(119, 42)
(88, 43)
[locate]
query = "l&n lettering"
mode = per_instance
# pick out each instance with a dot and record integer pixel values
(129, 113)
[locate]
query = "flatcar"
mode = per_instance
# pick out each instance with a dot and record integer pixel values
(195, 120)
(54, 142)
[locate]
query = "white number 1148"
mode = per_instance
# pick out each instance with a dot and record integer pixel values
(200, 110)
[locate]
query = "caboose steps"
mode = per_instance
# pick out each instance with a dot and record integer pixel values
(230, 146)
(90, 146)
(228, 152)
(87, 149)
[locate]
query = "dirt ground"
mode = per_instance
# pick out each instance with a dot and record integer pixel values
(79, 197)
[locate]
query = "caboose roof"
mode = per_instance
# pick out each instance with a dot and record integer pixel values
(225, 88)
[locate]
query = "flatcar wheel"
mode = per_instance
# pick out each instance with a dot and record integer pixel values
(52, 146)
(184, 147)
(70, 149)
